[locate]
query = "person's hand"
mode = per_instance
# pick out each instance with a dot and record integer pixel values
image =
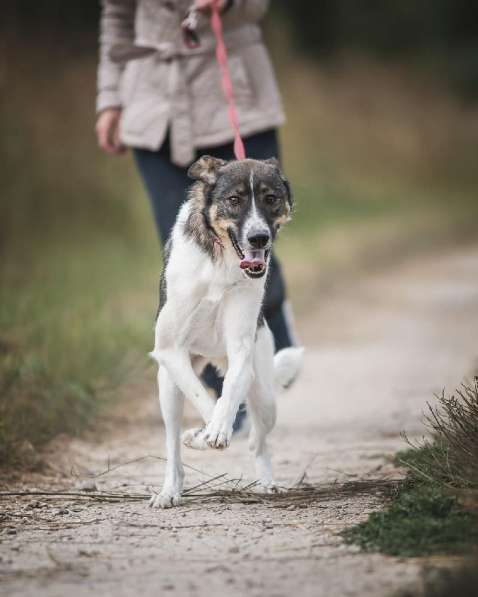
(107, 131)
(205, 5)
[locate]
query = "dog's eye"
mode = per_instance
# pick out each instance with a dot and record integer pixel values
(271, 199)
(234, 200)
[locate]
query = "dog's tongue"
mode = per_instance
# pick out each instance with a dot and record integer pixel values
(253, 258)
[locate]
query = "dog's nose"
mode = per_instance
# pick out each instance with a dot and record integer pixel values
(258, 240)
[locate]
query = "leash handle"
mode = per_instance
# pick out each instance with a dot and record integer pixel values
(221, 57)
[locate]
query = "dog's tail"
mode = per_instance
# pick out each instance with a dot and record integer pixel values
(287, 366)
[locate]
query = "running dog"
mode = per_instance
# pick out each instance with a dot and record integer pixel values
(211, 294)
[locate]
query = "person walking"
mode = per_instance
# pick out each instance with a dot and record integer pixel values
(163, 98)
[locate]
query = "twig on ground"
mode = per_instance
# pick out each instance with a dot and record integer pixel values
(245, 495)
(98, 495)
(301, 478)
(221, 476)
(110, 469)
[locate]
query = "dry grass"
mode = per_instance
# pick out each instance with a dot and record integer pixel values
(451, 456)
(435, 510)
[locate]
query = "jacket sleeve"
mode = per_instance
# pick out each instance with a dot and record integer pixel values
(239, 12)
(116, 27)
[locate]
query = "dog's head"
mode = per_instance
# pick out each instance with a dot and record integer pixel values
(246, 202)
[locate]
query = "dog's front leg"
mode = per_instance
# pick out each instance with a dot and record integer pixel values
(175, 358)
(239, 333)
(171, 401)
(236, 385)
(178, 364)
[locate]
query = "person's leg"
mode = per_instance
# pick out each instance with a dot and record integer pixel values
(276, 307)
(262, 146)
(166, 185)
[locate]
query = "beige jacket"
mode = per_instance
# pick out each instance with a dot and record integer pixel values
(146, 68)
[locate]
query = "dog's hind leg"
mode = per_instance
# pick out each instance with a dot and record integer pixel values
(262, 408)
(171, 402)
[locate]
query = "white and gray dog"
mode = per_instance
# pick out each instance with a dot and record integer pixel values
(211, 294)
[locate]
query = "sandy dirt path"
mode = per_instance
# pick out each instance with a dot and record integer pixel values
(376, 351)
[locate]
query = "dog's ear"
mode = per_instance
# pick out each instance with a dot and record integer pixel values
(275, 163)
(206, 169)
(290, 198)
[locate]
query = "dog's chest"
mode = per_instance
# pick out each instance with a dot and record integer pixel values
(205, 297)
(208, 326)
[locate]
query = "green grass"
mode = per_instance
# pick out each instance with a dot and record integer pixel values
(69, 339)
(79, 260)
(435, 509)
(421, 520)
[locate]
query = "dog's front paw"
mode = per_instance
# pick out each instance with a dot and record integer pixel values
(195, 438)
(218, 435)
(165, 499)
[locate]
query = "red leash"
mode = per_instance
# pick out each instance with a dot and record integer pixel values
(191, 39)
(221, 57)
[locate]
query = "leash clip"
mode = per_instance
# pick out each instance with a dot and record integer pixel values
(188, 28)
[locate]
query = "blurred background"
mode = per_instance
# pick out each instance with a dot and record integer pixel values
(381, 147)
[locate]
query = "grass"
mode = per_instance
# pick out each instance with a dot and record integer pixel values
(435, 509)
(374, 178)
(69, 339)
(79, 259)
(380, 161)
(421, 520)
(451, 458)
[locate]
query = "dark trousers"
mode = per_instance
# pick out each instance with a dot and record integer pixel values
(167, 183)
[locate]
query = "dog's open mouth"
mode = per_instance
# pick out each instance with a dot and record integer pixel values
(253, 261)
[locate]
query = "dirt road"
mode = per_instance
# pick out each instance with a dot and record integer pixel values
(376, 351)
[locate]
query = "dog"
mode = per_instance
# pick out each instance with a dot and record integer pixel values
(211, 294)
